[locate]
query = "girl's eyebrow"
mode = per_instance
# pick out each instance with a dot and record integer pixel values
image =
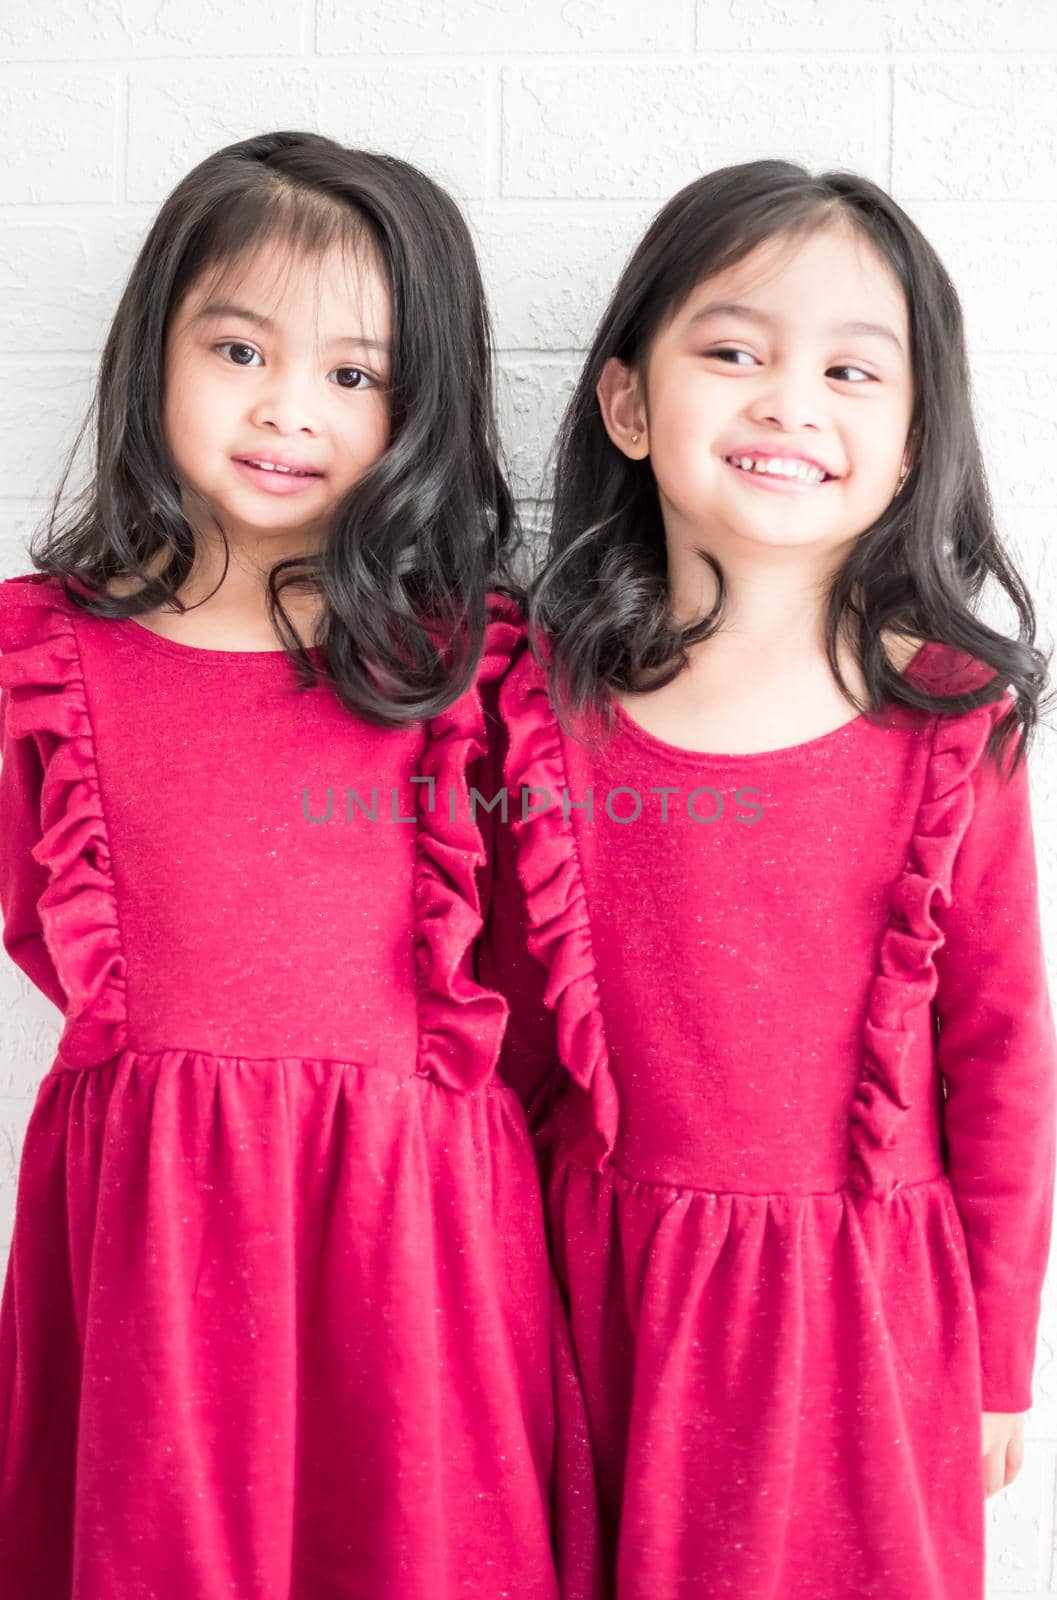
(223, 310)
(729, 308)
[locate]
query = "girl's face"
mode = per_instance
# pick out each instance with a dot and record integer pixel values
(773, 359)
(258, 380)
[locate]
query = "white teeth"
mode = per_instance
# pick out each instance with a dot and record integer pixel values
(271, 466)
(779, 467)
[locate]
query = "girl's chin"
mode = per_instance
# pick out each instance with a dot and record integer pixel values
(271, 509)
(243, 528)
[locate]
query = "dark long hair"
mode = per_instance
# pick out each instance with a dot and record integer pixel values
(416, 544)
(601, 598)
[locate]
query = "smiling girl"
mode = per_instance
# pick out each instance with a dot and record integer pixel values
(276, 1322)
(801, 1154)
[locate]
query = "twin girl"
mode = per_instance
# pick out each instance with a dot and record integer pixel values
(549, 1206)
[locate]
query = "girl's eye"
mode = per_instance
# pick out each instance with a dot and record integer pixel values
(347, 377)
(237, 345)
(728, 351)
(355, 376)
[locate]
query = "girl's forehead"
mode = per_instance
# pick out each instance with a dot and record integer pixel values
(824, 261)
(822, 278)
(274, 277)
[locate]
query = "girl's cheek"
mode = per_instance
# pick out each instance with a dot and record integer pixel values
(685, 413)
(683, 447)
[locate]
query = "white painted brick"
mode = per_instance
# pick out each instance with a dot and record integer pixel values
(1016, 1557)
(550, 271)
(30, 1028)
(60, 282)
(471, 26)
(1032, 532)
(532, 397)
(630, 132)
(775, 25)
(14, 1116)
(57, 134)
(975, 129)
(1016, 412)
(1041, 1423)
(40, 410)
(949, 25)
(128, 29)
(438, 118)
(19, 520)
(435, 119)
(943, 25)
(1003, 260)
(178, 116)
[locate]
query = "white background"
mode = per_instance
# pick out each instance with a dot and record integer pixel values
(561, 127)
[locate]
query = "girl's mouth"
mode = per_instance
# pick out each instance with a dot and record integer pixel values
(805, 480)
(274, 480)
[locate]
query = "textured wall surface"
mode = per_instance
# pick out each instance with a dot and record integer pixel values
(561, 126)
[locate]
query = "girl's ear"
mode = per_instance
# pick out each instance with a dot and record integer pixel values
(622, 410)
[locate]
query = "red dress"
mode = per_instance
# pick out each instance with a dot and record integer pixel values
(276, 1318)
(801, 1158)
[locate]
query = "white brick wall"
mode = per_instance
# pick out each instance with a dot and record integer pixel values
(561, 125)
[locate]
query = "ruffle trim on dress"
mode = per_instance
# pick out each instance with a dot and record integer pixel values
(40, 668)
(548, 867)
(461, 1023)
(907, 977)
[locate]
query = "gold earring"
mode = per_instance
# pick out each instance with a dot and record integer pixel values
(634, 438)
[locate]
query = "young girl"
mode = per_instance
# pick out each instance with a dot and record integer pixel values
(801, 1161)
(276, 1319)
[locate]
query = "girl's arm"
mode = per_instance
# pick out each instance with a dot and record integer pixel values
(998, 1057)
(22, 878)
(529, 1061)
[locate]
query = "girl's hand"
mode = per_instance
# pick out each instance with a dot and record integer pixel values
(1003, 1443)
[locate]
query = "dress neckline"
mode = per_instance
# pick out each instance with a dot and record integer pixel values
(807, 747)
(141, 634)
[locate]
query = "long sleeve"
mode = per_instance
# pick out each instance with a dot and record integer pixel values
(998, 1059)
(529, 1062)
(22, 878)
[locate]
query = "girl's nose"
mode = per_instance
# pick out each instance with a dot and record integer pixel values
(288, 407)
(792, 400)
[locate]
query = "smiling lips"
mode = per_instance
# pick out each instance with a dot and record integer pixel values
(276, 476)
(788, 473)
(280, 463)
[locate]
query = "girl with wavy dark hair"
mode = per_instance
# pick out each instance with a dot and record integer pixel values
(800, 1147)
(277, 1314)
